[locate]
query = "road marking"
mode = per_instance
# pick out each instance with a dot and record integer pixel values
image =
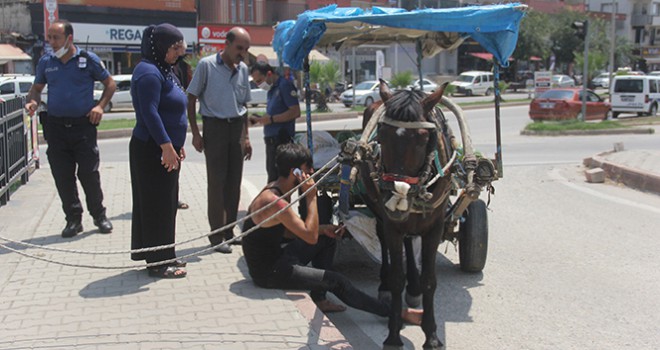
(554, 174)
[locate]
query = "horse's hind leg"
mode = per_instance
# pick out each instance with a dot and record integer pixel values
(430, 243)
(413, 288)
(396, 283)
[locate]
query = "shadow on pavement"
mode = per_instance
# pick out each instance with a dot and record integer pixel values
(117, 285)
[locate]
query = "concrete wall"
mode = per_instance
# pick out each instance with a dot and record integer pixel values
(15, 17)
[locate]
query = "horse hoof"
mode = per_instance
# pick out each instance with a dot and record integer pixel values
(393, 343)
(433, 344)
(385, 296)
(413, 301)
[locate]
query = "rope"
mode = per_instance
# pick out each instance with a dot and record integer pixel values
(165, 262)
(166, 246)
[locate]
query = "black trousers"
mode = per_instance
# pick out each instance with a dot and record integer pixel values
(155, 199)
(290, 272)
(73, 151)
(271, 150)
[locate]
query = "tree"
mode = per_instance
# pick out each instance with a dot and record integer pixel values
(401, 79)
(324, 76)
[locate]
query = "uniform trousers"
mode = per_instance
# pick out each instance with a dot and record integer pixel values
(272, 142)
(223, 150)
(73, 151)
(155, 199)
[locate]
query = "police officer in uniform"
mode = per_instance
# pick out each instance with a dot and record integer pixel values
(281, 112)
(70, 125)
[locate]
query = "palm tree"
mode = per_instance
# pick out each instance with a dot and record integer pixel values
(325, 76)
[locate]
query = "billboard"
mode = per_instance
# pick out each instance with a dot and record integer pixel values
(157, 5)
(212, 38)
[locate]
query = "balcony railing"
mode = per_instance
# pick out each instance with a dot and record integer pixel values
(641, 20)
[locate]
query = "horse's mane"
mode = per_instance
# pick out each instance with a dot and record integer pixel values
(406, 106)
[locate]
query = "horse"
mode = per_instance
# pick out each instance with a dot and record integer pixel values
(398, 191)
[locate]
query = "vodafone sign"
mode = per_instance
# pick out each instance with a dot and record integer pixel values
(212, 37)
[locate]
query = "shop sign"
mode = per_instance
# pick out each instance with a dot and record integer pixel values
(118, 33)
(212, 38)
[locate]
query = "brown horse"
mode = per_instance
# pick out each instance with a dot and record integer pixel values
(409, 134)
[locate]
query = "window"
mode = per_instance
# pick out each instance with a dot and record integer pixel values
(241, 10)
(477, 80)
(124, 85)
(629, 86)
(250, 11)
(232, 10)
(24, 87)
(7, 88)
(653, 86)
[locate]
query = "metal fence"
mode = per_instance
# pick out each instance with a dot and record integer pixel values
(16, 155)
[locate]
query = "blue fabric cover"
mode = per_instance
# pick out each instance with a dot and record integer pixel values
(495, 27)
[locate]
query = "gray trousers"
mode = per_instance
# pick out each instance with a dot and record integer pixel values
(223, 149)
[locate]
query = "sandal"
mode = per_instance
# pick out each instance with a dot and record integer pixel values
(183, 205)
(167, 272)
(179, 263)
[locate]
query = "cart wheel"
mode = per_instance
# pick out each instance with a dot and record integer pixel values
(473, 237)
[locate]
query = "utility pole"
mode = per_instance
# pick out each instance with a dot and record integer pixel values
(610, 67)
(582, 31)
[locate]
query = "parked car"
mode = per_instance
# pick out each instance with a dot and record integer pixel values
(15, 85)
(259, 96)
(473, 83)
(562, 81)
(429, 86)
(635, 94)
(564, 104)
(366, 93)
(601, 80)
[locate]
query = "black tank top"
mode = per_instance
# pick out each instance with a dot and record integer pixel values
(261, 248)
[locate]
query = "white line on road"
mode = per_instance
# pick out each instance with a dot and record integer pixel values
(554, 174)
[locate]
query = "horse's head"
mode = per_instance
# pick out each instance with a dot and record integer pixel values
(407, 134)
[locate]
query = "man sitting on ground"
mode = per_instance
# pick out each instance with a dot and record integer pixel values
(272, 266)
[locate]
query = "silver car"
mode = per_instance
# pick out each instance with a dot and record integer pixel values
(561, 80)
(366, 93)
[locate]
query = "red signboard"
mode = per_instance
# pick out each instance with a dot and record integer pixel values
(51, 14)
(212, 38)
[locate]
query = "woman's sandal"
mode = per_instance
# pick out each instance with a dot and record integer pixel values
(167, 272)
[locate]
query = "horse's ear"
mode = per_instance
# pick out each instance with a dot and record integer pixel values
(430, 101)
(385, 92)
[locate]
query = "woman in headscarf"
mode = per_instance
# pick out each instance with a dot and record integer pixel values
(156, 148)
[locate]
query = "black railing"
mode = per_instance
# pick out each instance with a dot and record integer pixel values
(15, 159)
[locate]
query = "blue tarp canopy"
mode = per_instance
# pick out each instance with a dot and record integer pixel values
(495, 27)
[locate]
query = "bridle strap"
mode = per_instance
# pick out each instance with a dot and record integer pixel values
(408, 125)
(389, 177)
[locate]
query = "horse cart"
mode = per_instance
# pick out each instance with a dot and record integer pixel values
(407, 166)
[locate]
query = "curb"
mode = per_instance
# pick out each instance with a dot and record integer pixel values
(619, 131)
(630, 177)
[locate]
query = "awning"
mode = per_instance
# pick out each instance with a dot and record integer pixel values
(270, 54)
(12, 53)
(483, 55)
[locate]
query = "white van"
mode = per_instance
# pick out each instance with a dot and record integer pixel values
(15, 85)
(473, 83)
(635, 94)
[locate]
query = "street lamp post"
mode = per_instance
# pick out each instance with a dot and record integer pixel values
(610, 67)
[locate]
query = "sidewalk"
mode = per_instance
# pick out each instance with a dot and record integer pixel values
(215, 307)
(639, 169)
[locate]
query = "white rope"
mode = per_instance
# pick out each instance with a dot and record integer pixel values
(399, 198)
(166, 246)
(165, 262)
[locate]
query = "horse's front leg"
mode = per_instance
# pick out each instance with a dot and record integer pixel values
(413, 287)
(430, 243)
(384, 291)
(396, 283)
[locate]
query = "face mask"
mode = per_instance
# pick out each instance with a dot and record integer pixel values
(63, 50)
(264, 85)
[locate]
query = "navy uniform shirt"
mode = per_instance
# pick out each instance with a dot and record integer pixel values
(281, 96)
(70, 84)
